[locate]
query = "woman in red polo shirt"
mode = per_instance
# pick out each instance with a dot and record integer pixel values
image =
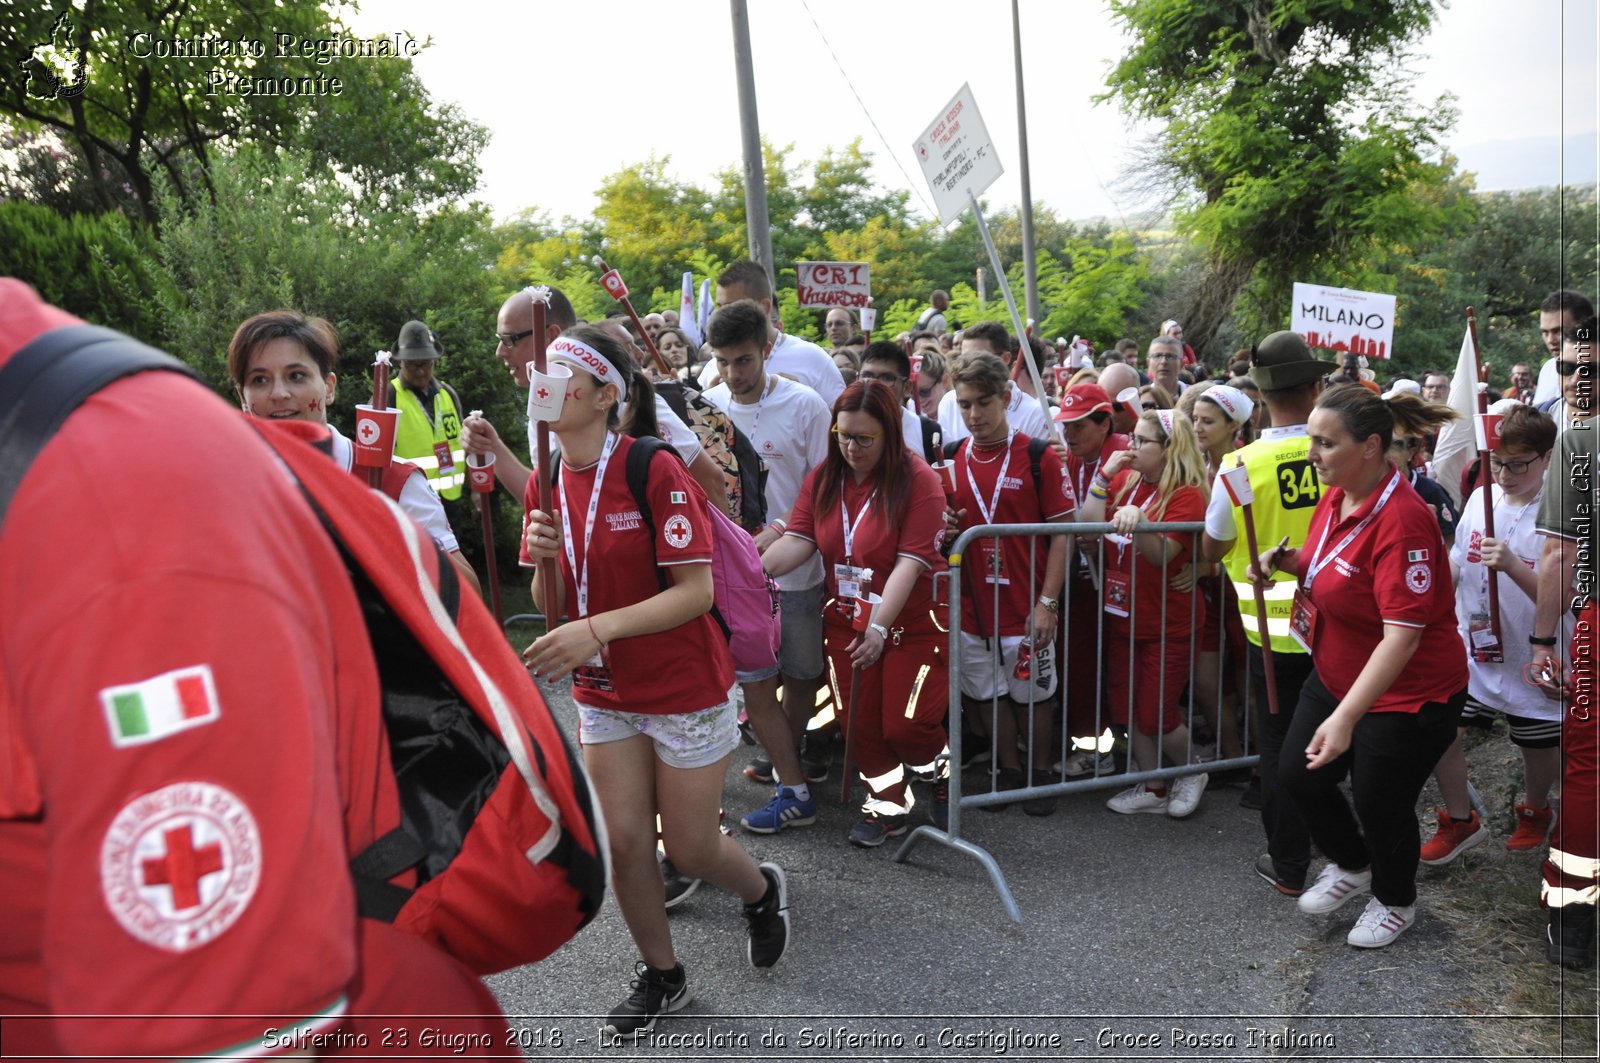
(876, 514)
(1377, 610)
(1162, 477)
(656, 739)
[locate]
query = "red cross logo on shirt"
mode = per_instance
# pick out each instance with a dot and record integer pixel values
(183, 867)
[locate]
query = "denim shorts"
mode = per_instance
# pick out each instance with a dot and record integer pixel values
(681, 739)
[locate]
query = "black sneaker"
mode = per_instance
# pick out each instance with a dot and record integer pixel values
(874, 830)
(678, 885)
(655, 993)
(1571, 933)
(940, 812)
(816, 757)
(974, 749)
(769, 920)
(1251, 798)
(759, 770)
(1005, 779)
(1040, 806)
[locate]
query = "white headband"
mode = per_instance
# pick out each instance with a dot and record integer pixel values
(1233, 402)
(580, 354)
(1167, 418)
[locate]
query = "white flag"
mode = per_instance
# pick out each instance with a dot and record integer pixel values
(1457, 447)
(686, 320)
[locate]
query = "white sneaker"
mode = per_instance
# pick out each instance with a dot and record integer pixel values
(1085, 762)
(1137, 799)
(1333, 887)
(1381, 924)
(1184, 797)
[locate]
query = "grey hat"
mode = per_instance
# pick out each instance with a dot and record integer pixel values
(417, 343)
(1284, 360)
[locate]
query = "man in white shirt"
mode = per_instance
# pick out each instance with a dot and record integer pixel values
(1022, 409)
(791, 356)
(1163, 360)
(932, 319)
(788, 424)
(1557, 314)
(887, 363)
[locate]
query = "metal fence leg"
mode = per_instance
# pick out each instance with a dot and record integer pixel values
(961, 845)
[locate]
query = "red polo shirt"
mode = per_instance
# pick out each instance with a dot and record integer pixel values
(1395, 571)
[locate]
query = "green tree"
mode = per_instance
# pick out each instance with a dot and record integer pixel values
(96, 79)
(1288, 136)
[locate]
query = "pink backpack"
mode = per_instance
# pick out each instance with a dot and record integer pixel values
(746, 599)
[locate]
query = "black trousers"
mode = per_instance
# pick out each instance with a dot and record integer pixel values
(1288, 840)
(1390, 757)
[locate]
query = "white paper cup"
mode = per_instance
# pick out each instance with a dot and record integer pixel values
(547, 391)
(869, 317)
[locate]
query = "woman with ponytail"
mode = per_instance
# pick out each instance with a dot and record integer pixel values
(1376, 609)
(656, 735)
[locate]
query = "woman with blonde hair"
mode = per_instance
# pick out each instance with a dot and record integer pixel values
(1161, 477)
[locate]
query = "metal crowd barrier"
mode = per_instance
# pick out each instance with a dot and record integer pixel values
(960, 799)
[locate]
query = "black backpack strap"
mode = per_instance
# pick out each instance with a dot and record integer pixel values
(637, 470)
(1036, 449)
(376, 896)
(930, 431)
(51, 377)
(952, 449)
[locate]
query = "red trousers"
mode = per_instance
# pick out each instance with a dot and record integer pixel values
(900, 709)
(1572, 872)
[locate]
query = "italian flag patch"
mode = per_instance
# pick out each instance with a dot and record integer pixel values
(161, 706)
(680, 498)
(1416, 555)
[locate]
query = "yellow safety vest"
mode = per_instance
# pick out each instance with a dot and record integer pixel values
(417, 437)
(1286, 491)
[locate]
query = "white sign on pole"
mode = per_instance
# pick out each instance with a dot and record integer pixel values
(1343, 319)
(957, 156)
(834, 283)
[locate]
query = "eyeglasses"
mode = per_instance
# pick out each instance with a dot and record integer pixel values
(1408, 444)
(882, 378)
(1147, 406)
(511, 339)
(1515, 468)
(865, 442)
(1140, 441)
(1585, 370)
(927, 392)
(1164, 357)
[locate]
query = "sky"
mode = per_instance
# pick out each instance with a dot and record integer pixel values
(572, 92)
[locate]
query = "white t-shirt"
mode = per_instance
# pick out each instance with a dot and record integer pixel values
(799, 360)
(1549, 385)
(417, 498)
(933, 321)
(679, 435)
(1022, 414)
(789, 429)
(1500, 686)
(1219, 508)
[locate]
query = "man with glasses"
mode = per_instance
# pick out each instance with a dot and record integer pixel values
(838, 326)
(931, 384)
(1522, 382)
(1163, 361)
(1575, 370)
(1436, 386)
(887, 363)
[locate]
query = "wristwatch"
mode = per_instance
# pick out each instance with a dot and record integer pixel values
(1052, 604)
(882, 631)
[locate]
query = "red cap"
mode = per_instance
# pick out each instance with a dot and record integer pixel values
(1081, 400)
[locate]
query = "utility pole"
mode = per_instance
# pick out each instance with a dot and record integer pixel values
(755, 177)
(1030, 268)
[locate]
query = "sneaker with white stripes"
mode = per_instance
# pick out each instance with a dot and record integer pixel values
(1381, 924)
(784, 810)
(1333, 887)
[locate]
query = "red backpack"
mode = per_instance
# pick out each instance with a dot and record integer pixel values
(500, 854)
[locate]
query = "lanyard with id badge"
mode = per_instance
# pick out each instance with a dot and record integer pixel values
(1303, 613)
(595, 673)
(995, 567)
(1485, 647)
(853, 581)
(1118, 588)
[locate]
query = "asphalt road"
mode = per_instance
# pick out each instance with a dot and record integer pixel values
(1143, 938)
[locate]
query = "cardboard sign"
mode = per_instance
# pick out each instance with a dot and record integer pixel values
(1343, 319)
(957, 156)
(612, 281)
(834, 283)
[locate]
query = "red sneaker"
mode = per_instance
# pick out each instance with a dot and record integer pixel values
(1533, 826)
(1455, 836)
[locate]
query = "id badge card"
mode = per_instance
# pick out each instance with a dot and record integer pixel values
(1116, 596)
(853, 582)
(1486, 649)
(447, 462)
(1302, 619)
(593, 675)
(994, 569)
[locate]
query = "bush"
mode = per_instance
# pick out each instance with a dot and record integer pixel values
(96, 266)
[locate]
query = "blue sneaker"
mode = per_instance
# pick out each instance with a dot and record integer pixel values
(784, 810)
(875, 830)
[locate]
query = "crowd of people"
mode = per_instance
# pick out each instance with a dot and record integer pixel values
(1379, 617)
